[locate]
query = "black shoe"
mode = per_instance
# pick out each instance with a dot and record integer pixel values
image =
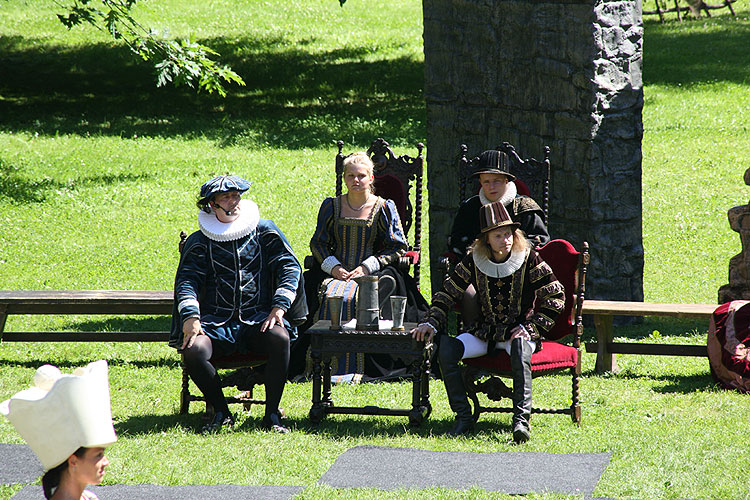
(521, 433)
(272, 422)
(463, 426)
(220, 419)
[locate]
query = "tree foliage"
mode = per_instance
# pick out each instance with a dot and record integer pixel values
(182, 62)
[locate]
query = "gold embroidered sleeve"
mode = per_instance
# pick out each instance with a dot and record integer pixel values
(549, 299)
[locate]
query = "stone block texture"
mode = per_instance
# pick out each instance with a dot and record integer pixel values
(563, 74)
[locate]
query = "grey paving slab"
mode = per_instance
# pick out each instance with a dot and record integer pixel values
(513, 473)
(194, 492)
(19, 464)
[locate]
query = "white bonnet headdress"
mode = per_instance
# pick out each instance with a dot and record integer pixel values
(62, 412)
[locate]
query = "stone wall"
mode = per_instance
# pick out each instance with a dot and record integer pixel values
(561, 73)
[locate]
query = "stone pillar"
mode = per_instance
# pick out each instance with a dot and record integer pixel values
(738, 287)
(566, 74)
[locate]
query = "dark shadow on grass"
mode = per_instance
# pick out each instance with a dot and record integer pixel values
(161, 361)
(293, 98)
(121, 324)
(686, 384)
(680, 54)
(149, 424)
(670, 384)
(18, 189)
(348, 427)
(338, 426)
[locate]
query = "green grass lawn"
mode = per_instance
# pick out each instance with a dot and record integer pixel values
(99, 171)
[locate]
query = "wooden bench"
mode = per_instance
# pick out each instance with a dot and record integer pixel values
(132, 302)
(604, 310)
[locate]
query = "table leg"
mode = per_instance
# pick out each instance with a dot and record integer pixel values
(416, 415)
(327, 399)
(605, 360)
(317, 412)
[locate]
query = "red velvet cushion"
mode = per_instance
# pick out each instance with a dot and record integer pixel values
(563, 259)
(729, 345)
(390, 187)
(553, 356)
(522, 188)
(413, 256)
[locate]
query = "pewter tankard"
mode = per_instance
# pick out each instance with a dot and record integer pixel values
(368, 303)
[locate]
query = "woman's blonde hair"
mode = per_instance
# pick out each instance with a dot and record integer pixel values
(361, 159)
(481, 245)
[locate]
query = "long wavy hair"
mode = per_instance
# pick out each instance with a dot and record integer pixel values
(481, 245)
(51, 478)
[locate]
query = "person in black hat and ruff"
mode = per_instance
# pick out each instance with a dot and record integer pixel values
(519, 299)
(66, 419)
(238, 289)
(496, 183)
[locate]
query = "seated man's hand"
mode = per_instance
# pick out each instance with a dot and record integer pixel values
(190, 329)
(519, 332)
(273, 319)
(422, 332)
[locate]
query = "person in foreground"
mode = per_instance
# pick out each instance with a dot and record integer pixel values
(238, 289)
(519, 299)
(67, 422)
(358, 234)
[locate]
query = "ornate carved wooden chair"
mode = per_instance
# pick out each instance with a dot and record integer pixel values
(398, 178)
(248, 372)
(532, 175)
(395, 177)
(569, 266)
(532, 179)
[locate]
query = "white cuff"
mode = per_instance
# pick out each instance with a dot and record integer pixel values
(372, 264)
(187, 303)
(283, 292)
(434, 330)
(329, 263)
(527, 334)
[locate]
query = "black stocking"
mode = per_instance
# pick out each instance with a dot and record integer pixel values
(275, 343)
(204, 374)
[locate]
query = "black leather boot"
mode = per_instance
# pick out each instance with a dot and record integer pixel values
(520, 363)
(450, 352)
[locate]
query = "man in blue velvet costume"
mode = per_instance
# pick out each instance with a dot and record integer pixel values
(238, 289)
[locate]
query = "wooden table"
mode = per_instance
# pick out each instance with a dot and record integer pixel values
(326, 343)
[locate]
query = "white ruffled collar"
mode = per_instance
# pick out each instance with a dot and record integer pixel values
(501, 269)
(507, 197)
(216, 230)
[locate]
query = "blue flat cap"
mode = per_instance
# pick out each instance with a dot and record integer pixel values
(223, 184)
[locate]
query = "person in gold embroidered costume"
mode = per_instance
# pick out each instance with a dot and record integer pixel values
(519, 299)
